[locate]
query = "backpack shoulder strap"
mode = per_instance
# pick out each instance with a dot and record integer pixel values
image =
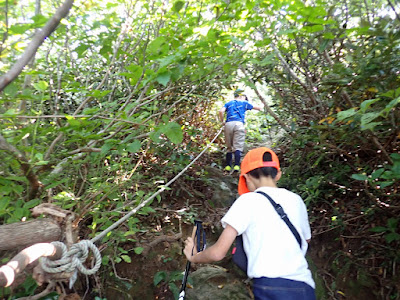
(283, 216)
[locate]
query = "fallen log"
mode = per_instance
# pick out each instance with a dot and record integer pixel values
(23, 234)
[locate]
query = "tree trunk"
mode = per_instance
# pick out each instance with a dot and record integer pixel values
(23, 234)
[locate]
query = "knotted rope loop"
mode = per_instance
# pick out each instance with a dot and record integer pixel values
(73, 259)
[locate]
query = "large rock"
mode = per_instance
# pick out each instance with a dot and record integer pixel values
(224, 187)
(216, 283)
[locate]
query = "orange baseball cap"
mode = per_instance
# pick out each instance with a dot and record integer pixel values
(254, 160)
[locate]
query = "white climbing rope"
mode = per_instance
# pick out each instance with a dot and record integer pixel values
(141, 205)
(72, 260)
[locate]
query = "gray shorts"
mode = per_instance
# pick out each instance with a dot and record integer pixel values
(234, 136)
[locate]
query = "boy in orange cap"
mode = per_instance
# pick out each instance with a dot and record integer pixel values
(276, 263)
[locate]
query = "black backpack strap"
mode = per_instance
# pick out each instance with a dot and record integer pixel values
(283, 216)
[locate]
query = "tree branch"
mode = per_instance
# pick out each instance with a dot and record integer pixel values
(38, 39)
(34, 182)
(266, 106)
(395, 12)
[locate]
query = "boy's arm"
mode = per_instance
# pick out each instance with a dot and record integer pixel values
(256, 107)
(213, 253)
(221, 114)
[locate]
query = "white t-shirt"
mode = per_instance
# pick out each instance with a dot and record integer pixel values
(272, 249)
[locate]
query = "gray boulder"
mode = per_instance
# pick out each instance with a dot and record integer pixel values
(211, 282)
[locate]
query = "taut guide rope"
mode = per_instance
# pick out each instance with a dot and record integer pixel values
(72, 260)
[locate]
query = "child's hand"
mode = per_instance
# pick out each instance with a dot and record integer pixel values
(189, 248)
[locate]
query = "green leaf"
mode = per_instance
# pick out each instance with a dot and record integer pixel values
(174, 132)
(19, 29)
(391, 105)
(164, 78)
(395, 156)
(158, 46)
(73, 122)
(106, 51)
(100, 94)
(81, 49)
(178, 5)
(106, 148)
(160, 276)
(227, 68)
(392, 223)
(342, 115)
(329, 35)
(359, 177)
(32, 203)
(223, 51)
(130, 232)
(135, 72)
(393, 236)
(41, 86)
(134, 146)
(174, 289)
(11, 90)
(54, 184)
(126, 258)
(377, 173)
(367, 103)
(5, 201)
(378, 229)
(105, 260)
(288, 31)
(138, 250)
(147, 209)
(155, 136)
(11, 113)
(392, 93)
(313, 28)
(368, 118)
(370, 126)
(40, 20)
(384, 184)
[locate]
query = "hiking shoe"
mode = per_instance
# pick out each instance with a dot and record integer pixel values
(236, 168)
(228, 168)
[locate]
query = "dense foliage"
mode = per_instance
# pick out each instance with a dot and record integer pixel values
(121, 96)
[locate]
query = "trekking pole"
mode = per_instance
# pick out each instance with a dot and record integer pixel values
(199, 236)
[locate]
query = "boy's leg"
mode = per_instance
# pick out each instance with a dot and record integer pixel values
(238, 143)
(229, 140)
(228, 161)
(238, 155)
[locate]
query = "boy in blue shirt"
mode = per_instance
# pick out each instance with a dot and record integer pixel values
(234, 127)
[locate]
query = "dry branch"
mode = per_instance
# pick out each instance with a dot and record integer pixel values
(38, 39)
(266, 106)
(26, 168)
(158, 240)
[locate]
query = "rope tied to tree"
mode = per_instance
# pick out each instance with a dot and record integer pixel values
(72, 260)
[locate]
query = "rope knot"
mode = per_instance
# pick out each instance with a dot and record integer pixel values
(73, 259)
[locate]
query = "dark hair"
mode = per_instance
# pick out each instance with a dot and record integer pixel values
(245, 98)
(264, 171)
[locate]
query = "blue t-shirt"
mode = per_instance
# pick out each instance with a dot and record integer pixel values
(236, 110)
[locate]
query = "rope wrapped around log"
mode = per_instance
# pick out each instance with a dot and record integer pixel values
(73, 259)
